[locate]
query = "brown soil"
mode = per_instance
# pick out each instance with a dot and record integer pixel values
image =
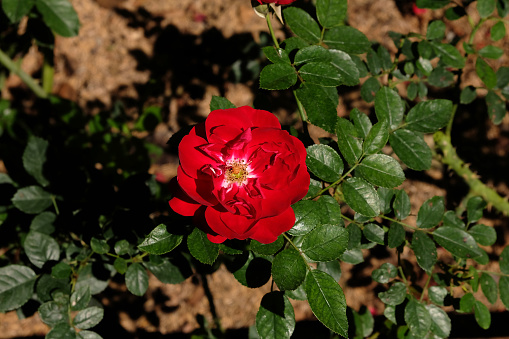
(124, 45)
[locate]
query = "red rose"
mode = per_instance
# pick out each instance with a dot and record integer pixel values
(277, 2)
(238, 175)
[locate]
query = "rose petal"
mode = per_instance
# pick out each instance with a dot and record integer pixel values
(268, 229)
(192, 158)
(181, 202)
(199, 189)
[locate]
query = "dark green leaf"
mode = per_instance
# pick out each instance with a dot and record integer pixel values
(320, 104)
(43, 222)
(475, 207)
(353, 256)
(40, 248)
(503, 8)
(441, 77)
(48, 287)
(369, 89)
(302, 24)
(331, 13)
(425, 250)
(325, 243)
(293, 43)
(429, 116)
(32, 199)
(136, 279)
(34, 158)
(314, 187)
(503, 287)
(497, 31)
(411, 149)
(396, 235)
(60, 16)
(409, 69)
(381, 170)
(52, 313)
(121, 247)
(504, 260)
(354, 236)
(99, 245)
(361, 122)
(431, 212)
(345, 67)
(120, 265)
(267, 249)
(395, 295)
(449, 55)
(6, 179)
(482, 259)
(385, 57)
(489, 287)
(417, 318)
(385, 273)
(374, 233)
(361, 197)
(330, 211)
(474, 282)
(276, 55)
(491, 52)
(401, 205)
(288, 269)
(16, 286)
(87, 278)
(16, 9)
(275, 318)
(255, 271)
(347, 39)
(201, 247)
(374, 62)
(457, 241)
(437, 294)
(440, 321)
(424, 65)
(385, 195)
(468, 94)
(61, 271)
(482, 315)
(312, 54)
(349, 144)
(332, 268)
(376, 138)
(324, 162)
(220, 103)
(61, 331)
(423, 90)
(307, 217)
(88, 335)
(486, 73)
(496, 107)
(80, 298)
(88, 318)
(450, 219)
(486, 7)
(320, 73)
(327, 301)
(454, 13)
(363, 322)
(436, 30)
(278, 76)
(159, 241)
(167, 272)
(467, 303)
(360, 65)
(502, 77)
(389, 107)
(297, 294)
(432, 4)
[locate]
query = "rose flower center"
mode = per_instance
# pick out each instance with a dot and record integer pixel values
(236, 171)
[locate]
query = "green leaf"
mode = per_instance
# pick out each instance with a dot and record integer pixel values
(320, 73)
(450, 219)
(99, 245)
(6, 179)
(502, 77)
(497, 31)
(121, 247)
(468, 94)
(374, 233)
(385, 195)
(60, 16)
(504, 260)
(353, 256)
(374, 62)
(361, 122)
(475, 207)
(307, 217)
(431, 212)
(324, 162)
(159, 241)
(467, 303)
(425, 251)
(88, 335)
(395, 295)
(503, 8)
(312, 54)
(457, 241)
(363, 322)
(486, 73)
(325, 243)
(267, 249)
(385, 273)
(16, 286)
(327, 301)
(440, 321)
(474, 282)
(43, 222)
(136, 279)
(288, 269)
(385, 58)
(320, 104)
(61, 331)
(330, 211)
(276, 55)
(80, 298)
(361, 197)
(503, 287)
(86, 277)
(429, 116)
(331, 13)
(201, 247)
(277, 76)
(34, 158)
(345, 67)
(491, 52)
(254, 272)
(489, 287)
(401, 205)
(424, 65)
(88, 318)
(486, 7)
(417, 318)
(389, 107)
(437, 294)
(302, 24)
(16, 9)
(376, 138)
(347, 39)
(396, 235)
(293, 43)
(454, 13)
(496, 107)
(436, 30)
(275, 318)
(449, 54)
(349, 144)
(31, 199)
(432, 4)
(381, 170)
(52, 313)
(61, 271)
(120, 265)
(369, 89)
(411, 148)
(220, 103)
(167, 272)
(441, 77)
(332, 268)
(40, 248)
(482, 315)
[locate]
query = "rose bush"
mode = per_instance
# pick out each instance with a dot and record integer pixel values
(277, 2)
(238, 175)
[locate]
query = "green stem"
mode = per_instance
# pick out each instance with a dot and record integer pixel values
(300, 107)
(47, 76)
(335, 183)
(494, 273)
(271, 30)
(404, 224)
(294, 246)
(55, 204)
(27, 79)
(425, 287)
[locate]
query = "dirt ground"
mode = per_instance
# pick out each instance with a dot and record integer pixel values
(172, 54)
